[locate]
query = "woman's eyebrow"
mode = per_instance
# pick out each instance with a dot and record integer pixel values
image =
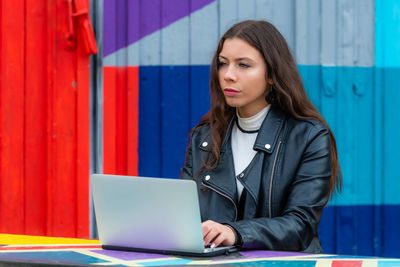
(237, 59)
(244, 58)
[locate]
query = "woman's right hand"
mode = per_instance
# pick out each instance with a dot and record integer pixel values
(215, 234)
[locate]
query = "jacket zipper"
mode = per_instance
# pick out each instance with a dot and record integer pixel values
(224, 195)
(272, 179)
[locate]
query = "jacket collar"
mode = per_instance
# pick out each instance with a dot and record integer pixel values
(267, 137)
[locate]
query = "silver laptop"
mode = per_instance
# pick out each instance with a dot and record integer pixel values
(149, 215)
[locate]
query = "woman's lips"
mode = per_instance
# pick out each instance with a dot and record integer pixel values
(230, 92)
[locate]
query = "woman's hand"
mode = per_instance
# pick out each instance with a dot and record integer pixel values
(216, 234)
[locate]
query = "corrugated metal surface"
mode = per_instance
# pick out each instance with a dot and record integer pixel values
(172, 42)
(44, 122)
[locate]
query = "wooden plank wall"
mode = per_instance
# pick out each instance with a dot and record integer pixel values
(348, 55)
(44, 122)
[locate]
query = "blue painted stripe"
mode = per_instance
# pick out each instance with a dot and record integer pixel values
(173, 99)
(363, 220)
(174, 118)
(149, 121)
(387, 33)
(351, 230)
(165, 117)
(199, 93)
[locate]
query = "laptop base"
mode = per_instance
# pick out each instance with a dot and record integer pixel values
(213, 253)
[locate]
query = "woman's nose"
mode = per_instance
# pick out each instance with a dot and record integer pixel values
(230, 74)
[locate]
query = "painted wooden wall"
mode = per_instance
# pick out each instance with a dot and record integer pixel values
(347, 52)
(44, 118)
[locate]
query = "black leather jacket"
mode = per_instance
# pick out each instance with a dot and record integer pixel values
(287, 185)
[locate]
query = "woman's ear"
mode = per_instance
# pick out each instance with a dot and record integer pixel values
(269, 81)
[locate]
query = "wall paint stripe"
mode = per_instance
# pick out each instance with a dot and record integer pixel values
(116, 12)
(333, 42)
(12, 96)
(44, 114)
(351, 97)
(341, 35)
(387, 49)
(35, 120)
(121, 120)
(351, 230)
(387, 71)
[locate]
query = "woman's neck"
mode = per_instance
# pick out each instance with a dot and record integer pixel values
(254, 122)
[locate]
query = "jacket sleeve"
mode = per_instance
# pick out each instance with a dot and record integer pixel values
(297, 225)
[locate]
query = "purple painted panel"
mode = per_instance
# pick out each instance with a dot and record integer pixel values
(129, 256)
(154, 15)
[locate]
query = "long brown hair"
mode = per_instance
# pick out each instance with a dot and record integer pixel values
(289, 93)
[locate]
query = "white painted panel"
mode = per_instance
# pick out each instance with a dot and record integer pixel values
(203, 34)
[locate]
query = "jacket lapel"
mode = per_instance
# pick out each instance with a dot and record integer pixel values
(266, 141)
(223, 176)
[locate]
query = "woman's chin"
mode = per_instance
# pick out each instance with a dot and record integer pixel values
(233, 104)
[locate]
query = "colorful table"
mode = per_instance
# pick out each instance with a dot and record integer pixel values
(21, 249)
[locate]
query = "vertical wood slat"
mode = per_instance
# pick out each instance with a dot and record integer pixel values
(35, 118)
(44, 115)
(82, 139)
(12, 116)
(133, 121)
(64, 129)
(109, 115)
(121, 100)
(120, 96)
(50, 64)
(121, 120)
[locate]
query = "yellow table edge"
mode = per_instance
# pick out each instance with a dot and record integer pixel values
(10, 239)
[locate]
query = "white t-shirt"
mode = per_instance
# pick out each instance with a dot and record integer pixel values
(242, 142)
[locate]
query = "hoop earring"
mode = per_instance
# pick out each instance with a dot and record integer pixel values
(271, 95)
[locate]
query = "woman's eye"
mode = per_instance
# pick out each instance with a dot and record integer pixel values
(243, 65)
(220, 63)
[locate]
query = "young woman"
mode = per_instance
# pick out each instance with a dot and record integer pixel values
(264, 159)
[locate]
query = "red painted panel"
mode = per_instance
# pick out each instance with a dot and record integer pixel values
(35, 118)
(121, 96)
(44, 121)
(12, 116)
(64, 132)
(121, 120)
(82, 142)
(50, 148)
(133, 121)
(346, 263)
(109, 120)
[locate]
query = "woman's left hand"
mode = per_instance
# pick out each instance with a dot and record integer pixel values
(217, 234)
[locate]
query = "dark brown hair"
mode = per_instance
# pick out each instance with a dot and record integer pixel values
(289, 93)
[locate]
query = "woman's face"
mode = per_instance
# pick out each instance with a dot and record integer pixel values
(242, 77)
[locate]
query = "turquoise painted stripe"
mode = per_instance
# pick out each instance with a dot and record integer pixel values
(345, 96)
(387, 33)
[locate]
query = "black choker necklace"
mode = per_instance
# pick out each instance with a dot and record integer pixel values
(243, 130)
